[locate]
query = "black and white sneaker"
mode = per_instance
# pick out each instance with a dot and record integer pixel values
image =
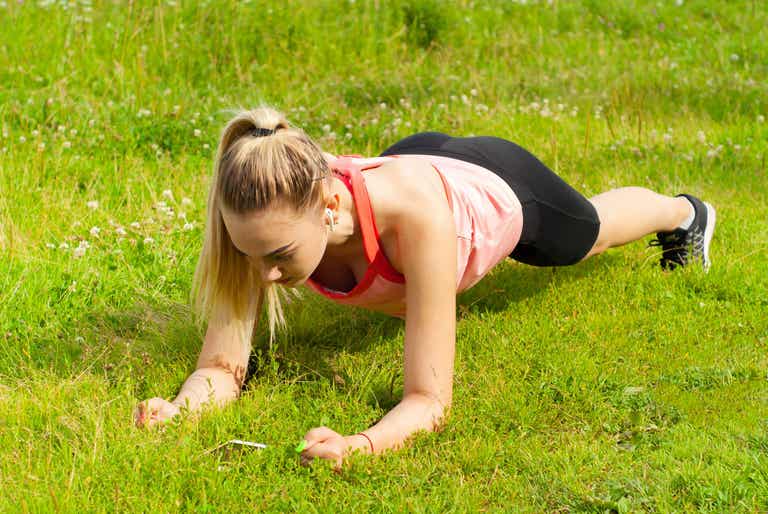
(681, 247)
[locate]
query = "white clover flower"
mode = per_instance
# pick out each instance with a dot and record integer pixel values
(35, 133)
(176, 109)
(186, 201)
(91, 123)
(148, 241)
(326, 128)
(143, 113)
(182, 215)
(701, 136)
(206, 146)
(667, 137)
(41, 146)
(93, 204)
(63, 246)
(22, 139)
(120, 231)
(197, 132)
(167, 91)
(66, 144)
(383, 105)
(95, 231)
(760, 118)
(73, 132)
(167, 193)
(188, 226)
(734, 57)
(79, 252)
(135, 225)
(50, 246)
(473, 92)
(61, 128)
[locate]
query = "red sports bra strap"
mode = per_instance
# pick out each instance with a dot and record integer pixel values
(365, 214)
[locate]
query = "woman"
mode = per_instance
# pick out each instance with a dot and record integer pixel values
(402, 234)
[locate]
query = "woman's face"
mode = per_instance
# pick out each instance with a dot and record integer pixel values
(284, 246)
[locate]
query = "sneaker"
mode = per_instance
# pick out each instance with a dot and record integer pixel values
(681, 247)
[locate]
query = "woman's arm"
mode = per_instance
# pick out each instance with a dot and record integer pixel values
(222, 364)
(426, 235)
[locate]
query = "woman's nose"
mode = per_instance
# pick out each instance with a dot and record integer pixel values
(271, 274)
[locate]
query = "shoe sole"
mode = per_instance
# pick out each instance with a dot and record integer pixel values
(708, 233)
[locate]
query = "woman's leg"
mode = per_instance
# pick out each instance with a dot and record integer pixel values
(630, 213)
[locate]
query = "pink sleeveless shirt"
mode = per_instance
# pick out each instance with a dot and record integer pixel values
(488, 218)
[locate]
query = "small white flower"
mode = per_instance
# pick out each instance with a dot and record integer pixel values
(50, 246)
(63, 246)
(22, 139)
(667, 137)
(95, 231)
(121, 231)
(760, 118)
(186, 201)
(135, 225)
(91, 123)
(148, 241)
(167, 91)
(383, 105)
(197, 132)
(73, 132)
(93, 204)
(473, 92)
(326, 128)
(701, 136)
(61, 128)
(35, 133)
(167, 193)
(188, 226)
(78, 252)
(734, 57)
(206, 146)
(182, 215)
(66, 144)
(41, 146)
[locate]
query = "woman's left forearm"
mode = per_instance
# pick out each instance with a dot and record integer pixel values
(414, 412)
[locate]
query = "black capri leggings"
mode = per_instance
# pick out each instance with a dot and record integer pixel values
(560, 225)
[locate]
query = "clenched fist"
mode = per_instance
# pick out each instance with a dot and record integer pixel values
(154, 411)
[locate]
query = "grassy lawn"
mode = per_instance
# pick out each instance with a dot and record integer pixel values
(610, 386)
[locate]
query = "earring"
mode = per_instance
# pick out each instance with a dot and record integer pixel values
(329, 214)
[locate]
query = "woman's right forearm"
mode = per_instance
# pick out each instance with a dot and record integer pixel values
(205, 385)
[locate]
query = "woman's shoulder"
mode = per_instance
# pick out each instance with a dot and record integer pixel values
(404, 188)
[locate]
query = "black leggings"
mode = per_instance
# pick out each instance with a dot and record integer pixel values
(560, 225)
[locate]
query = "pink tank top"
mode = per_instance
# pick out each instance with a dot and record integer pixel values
(488, 218)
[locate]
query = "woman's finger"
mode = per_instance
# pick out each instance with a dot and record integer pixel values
(318, 434)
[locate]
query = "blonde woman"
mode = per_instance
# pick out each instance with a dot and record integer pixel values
(401, 234)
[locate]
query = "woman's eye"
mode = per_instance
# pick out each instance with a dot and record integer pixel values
(281, 257)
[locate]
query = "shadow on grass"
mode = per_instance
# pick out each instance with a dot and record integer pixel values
(514, 282)
(155, 337)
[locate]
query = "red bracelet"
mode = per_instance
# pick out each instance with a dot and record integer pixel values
(369, 440)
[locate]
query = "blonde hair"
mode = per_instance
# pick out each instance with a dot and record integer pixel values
(253, 172)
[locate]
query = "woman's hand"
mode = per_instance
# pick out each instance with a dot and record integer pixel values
(154, 411)
(324, 443)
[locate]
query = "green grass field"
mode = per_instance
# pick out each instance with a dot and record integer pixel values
(610, 386)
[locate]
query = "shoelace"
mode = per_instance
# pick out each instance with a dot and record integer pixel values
(676, 248)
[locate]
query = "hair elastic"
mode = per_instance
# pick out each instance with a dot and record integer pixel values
(260, 131)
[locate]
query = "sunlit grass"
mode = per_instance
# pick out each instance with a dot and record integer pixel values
(607, 386)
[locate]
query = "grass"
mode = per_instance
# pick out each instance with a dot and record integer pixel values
(604, 387)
